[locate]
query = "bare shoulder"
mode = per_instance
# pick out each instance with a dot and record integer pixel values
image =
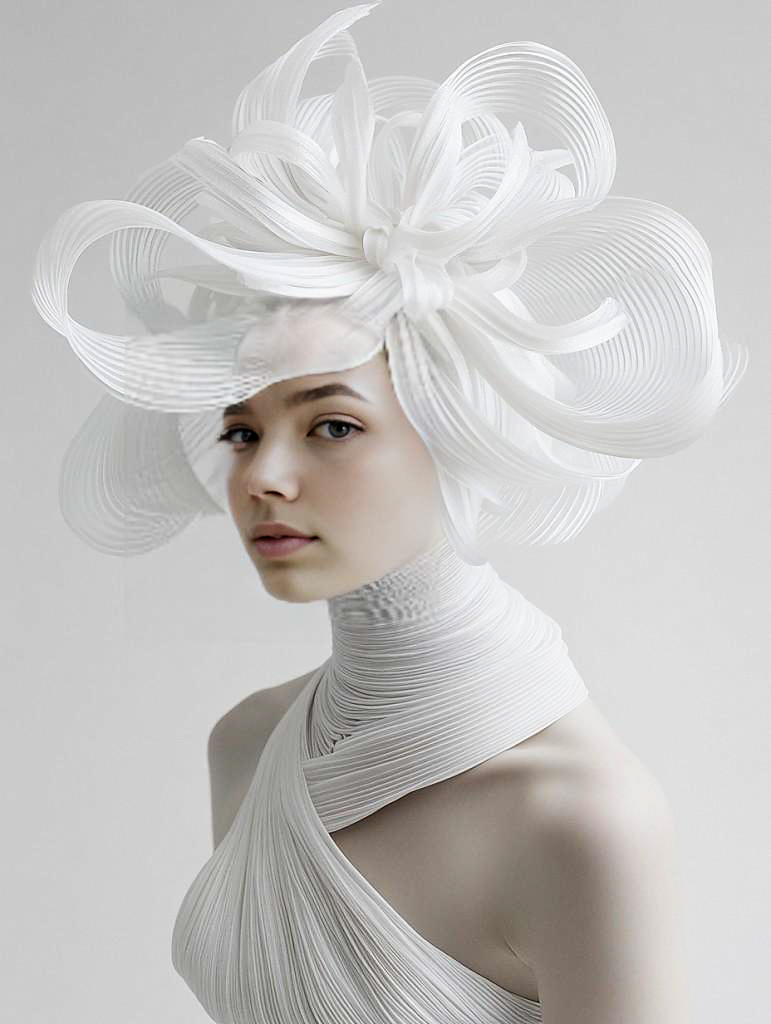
(236, 742)
(250, 719)
(595, 911)
(580, 761)
(596, 814)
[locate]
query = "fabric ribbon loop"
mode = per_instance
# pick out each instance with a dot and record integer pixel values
(377, 245)
(426, 284)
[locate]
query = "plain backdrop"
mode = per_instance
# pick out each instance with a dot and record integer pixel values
(114, 670)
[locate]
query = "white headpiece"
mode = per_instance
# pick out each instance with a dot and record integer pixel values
(543, 337)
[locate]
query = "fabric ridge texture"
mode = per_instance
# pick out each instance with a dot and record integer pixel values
(436, 667)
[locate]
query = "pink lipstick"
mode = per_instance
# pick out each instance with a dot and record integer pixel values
(275, 547)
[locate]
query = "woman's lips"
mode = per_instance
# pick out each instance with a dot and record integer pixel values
(273, 547)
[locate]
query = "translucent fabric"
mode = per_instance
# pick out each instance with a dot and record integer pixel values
(436, 667)
(544, 337)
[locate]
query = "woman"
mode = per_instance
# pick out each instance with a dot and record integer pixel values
(436, 824)
(548, 867)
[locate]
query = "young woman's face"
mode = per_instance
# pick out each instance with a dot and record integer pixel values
(349, 471)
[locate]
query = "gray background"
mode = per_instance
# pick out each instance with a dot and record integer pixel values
(115, 670)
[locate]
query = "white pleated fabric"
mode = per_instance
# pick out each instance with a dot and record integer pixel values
(550, 335)
(436, 667)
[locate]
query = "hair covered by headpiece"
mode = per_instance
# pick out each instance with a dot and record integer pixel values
(543, 337)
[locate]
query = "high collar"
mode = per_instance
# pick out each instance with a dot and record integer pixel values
(425, 591)
(435, 662)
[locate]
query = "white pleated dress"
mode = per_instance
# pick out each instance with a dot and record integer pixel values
(436, 667)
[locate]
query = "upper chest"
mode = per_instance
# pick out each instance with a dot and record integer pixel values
(440, 856)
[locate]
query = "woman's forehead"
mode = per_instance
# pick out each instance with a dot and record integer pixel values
(311, 343)
(365, 384)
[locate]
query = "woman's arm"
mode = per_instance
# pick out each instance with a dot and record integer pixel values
(598, 908)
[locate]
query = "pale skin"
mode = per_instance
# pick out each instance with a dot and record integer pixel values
(552, 868)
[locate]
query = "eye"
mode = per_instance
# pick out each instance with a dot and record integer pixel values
(339, 423)
(227, 435)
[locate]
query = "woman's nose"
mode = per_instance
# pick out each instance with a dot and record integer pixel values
(273, 470)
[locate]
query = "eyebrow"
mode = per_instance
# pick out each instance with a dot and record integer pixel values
(301, 397)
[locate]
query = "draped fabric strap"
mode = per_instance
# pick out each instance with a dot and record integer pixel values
(436, 667)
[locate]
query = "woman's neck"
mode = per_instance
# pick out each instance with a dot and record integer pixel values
(435, 666)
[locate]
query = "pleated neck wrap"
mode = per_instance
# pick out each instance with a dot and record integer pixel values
(436, 667)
